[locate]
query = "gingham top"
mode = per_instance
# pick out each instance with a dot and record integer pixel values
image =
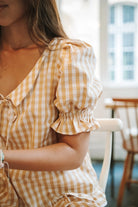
(58, 95)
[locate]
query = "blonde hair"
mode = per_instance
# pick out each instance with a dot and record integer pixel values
(44, 22)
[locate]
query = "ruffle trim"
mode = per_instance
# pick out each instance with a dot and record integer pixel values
(75, 122)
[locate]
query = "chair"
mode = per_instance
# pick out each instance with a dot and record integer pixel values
(108, 126)
(127, 111)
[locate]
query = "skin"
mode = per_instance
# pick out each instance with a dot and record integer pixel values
(15, 46)
(19, 46)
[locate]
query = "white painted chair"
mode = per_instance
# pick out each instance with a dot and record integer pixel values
(108, 126)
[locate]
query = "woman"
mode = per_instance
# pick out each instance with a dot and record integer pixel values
(48, 93)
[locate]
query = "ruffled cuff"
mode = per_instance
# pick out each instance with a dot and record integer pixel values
(75, 122)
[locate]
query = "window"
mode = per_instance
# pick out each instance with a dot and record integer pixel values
(128, 65)
(111, 64)
(122, 43)
(128, 58)
(111, 56)
(112, 15)
(128, 14)
(111, 41)
(116, 53)
(128, 39)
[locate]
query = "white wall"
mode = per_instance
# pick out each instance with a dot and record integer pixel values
(80, 19)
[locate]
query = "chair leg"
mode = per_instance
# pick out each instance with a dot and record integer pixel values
(123, 181)
(131, 169)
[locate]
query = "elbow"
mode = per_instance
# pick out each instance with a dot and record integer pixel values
(77, 165)
(78, 160)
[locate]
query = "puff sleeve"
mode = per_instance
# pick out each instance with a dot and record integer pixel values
(77, 90)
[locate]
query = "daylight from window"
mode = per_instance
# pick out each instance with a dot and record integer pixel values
(123, 42)
(82, 20)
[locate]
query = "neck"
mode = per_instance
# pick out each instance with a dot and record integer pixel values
(15, 36)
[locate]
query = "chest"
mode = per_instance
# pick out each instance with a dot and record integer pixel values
(28, 125)
(14, 67)
(28, 120)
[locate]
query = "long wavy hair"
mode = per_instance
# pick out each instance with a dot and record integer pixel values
(44, 21)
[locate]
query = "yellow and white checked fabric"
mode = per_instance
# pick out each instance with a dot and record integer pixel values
(58, 95)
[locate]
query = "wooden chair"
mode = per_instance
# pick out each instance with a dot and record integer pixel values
(108, 126)
(127, 111)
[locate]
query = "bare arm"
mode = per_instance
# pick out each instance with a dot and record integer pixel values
(67, 154)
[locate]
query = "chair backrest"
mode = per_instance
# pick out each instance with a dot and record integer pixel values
(108, 126)
(127, 111)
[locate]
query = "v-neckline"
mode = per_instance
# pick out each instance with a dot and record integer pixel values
(31, 76)
(34, 71)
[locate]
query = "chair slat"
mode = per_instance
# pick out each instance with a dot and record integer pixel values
(130, 107)
(130, 139)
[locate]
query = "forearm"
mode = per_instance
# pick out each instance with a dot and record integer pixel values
(59, 156)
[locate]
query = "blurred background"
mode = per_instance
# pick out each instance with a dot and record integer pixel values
(111, 27)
